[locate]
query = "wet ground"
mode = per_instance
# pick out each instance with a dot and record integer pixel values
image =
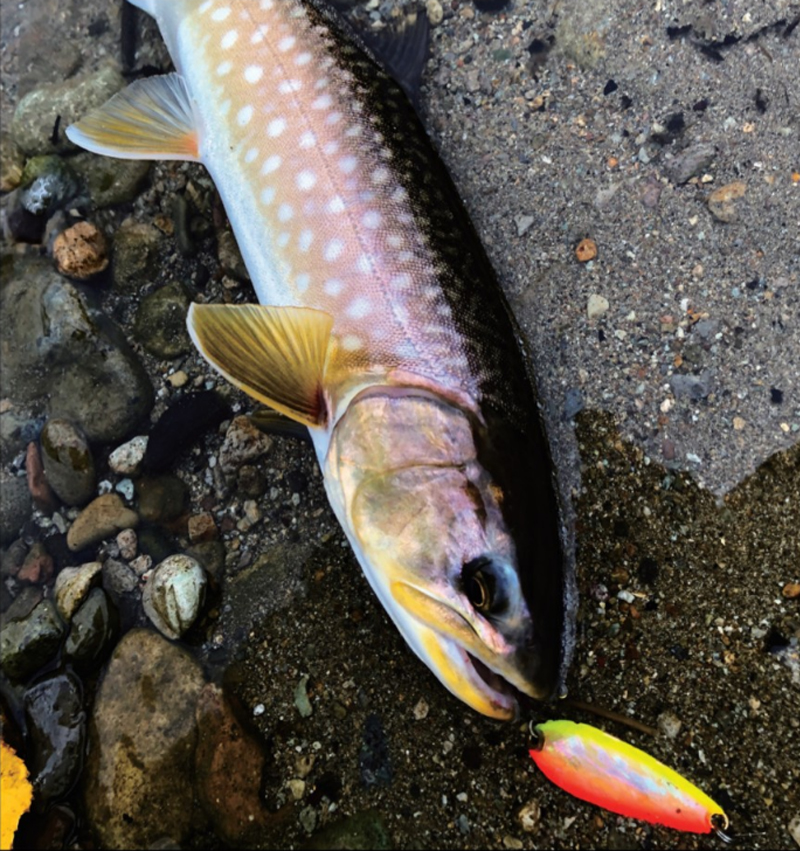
(674, 412)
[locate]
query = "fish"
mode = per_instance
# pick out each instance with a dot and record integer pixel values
(380, 327)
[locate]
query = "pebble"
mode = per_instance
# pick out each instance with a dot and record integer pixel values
(586, 250)
(161, 498)
(36, 113)
(692, 161)
(421, 709)
(669, 724)
(174, 594)
(512, 842)
(523, 224)
(128, 543)
(15, 506)
(37, 569)
(692, 387)
(31, 642)
(434, 11)
(243, 443)
(530, 816)
(126, 488)
(791, 590)
(142, 762)
(160, 323)
(93, 630)
(12, 162)
(722, 201)
(794, 829)
(49, 184)
(596, 306)
(301, 700)
(103, 517)
(68, 462)
(73, 585)
(42, 494)
(110, 181)
(126, 460)
(362, 830)
(230, 258)
(202, 527)
(81, 251)
(56, 725)
(297, 788)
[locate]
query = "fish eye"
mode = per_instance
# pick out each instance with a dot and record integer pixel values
(480, 582)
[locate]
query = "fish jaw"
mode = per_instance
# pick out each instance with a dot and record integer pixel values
(402, 474)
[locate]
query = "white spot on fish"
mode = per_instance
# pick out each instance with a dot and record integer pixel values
(258, 36)
(359, 308)
(271, 164)
(221, 13)
(395, 240)
(322, 102)
(401, 281)
(204, 7)
(371, 219)
(333, 286)
(306, 180)
(267, 195)
(276, 127)
(283, 239)
(307, 140)
(244, 115)
(380, 175)
(288, 86)
(364, 264)
(321, 83)
(225, 107)
(351, 343)
(302, 58)
(348, 164)
(224, 68)
(333, 249)
(229, 39)
(331, 148)
(286, 43)
(251, 154)
(335, 205)
(399, 194)
(285, 212)
(253, 73)
(406, 349)
(333, 118)
(302, 282)
(266, 5)
(305, 240)
(353, 130)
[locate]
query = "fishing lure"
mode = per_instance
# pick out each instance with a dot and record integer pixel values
(603, 770)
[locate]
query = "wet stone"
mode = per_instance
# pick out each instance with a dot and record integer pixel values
(49, 184)
(693, 387)
(12, 162)
(38, 567)
(57, 727)
(161, 498)
(23, 604)
(118, 579)
(365, 831)
(68, 462)
(692, 161)
(136, 250)
(126, 460)
(160, 323)
(110, 181)
(210, 554)
(93, 630)
(142, 740)
(128, 543)
(42, 494)
(80, 251)
(15, 506)
(73, 585)
(102, 518)
(26, 645)
(36, 114)
(722, 201)
(174, 595)
(243, 443)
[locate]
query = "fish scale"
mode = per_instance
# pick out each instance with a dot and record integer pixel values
(381, 328)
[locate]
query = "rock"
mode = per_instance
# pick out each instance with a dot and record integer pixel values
(142, 738)
(128, 543)
(363, 831)
(161, 498)
(586, 250)
(669, 724)
(126, 460)
(49, 184)
(692, 387)
(110, 181)
(28, 644)
(15, 506)
(81, 251)
(530, 816)
(24, 603)
(11, 559)
(73, 585)
(68, 462)
(136, 252)
(230, 258)
(103, 517)
(301, 700)
(243, 443)
(42, 494)
(36, 114)
(184, 421)
(93, 630)
(37, 569)
(210, 554)
(229, 764)
(693, 161)
(596, 306)
(722, 201)
(59, 355)
(57, 728)
(174, 595)
(160, 323)
(12, 162)
(202, 528)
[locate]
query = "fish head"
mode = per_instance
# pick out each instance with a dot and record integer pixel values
(425, 506)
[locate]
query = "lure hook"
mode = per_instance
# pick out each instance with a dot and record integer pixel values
(719, 824)
(536, 735)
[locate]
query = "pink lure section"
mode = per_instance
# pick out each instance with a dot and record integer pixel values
(601, 769)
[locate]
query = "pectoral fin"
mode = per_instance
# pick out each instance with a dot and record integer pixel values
(277, 355)
(151, 119)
